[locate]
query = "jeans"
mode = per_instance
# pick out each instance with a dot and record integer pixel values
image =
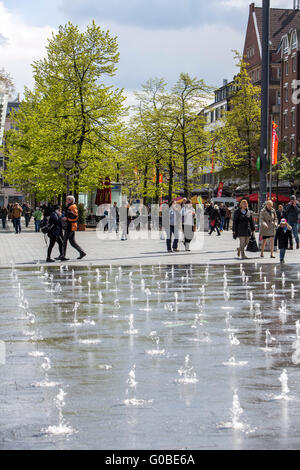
(37, 224)
(169, 237)
(282, 253)
(222, 223)
(3, 222)
(17, 224)
(295, 231)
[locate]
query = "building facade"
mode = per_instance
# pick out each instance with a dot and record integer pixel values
(8, 194)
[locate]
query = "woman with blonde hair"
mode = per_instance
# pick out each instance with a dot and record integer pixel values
(242, 227)
(268, 223)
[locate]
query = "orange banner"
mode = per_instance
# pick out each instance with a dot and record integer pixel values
(274, 143)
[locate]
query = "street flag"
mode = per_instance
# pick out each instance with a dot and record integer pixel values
(213, 158)
(258, 163)
(160, 178)
(274, 143)
(220, 189)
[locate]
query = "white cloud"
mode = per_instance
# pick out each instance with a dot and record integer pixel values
(24, 44)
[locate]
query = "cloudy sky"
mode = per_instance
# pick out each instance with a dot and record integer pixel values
(157, 38)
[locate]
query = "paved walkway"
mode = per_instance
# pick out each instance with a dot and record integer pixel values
(29, 248)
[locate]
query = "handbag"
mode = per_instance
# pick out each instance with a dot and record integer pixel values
(252, 244)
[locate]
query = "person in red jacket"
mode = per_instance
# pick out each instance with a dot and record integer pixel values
(71, 217)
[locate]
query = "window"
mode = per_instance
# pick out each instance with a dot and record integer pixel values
(294, 40)
(285, 45)
(278, 97)
(285, 120)
(292, 146)
(294, 64)
(286, 66)
(293, 116)
(286, 94)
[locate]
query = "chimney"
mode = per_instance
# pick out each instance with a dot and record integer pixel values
(225, 81)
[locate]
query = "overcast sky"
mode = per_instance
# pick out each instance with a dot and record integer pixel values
(157, 38)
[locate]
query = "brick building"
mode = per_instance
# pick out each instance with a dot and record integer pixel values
(284, 67)
(290, 75)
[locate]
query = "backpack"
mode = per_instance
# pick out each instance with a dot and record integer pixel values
(44, 225)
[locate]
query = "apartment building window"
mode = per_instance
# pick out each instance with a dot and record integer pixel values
(294, 64)
(278, 97)
(285, 120)
(292, 145)
(286, 93)
(279, 73)
(294, 40)
(285, 45)
(293, 118)
(286, 66)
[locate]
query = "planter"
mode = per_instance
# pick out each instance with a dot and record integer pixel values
(81, 227)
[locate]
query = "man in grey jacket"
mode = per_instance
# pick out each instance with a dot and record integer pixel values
(292, 212)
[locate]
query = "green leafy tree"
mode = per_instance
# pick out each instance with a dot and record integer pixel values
(191, 143)
(70, 114)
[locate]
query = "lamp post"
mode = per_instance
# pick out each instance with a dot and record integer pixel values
(264, 103)
(69, 173)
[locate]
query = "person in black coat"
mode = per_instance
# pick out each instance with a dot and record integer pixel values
(55, 234)
(242, 227)
(283, 237)
(214, 220)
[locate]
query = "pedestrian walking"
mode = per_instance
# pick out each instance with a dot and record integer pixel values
(114, 213)
(214, 220)
(55, 234)
(171, 223)
(268, 223)
(242, 227)
(188, 222)
(3, 215)
(227, 218)
(27, 213)
(37, 216)
(292, 212)
(280, 212)
(71, 217)
(283, 237)
(16, 217)
(124, 220)
(222, 210)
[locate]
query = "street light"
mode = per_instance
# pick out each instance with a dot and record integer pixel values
(68, 165)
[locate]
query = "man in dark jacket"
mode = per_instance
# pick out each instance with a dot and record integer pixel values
(292, 212)
(55, 234)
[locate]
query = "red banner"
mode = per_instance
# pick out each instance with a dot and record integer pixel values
(213, 158)
(220, 189)
(103, 195)
(274, 143)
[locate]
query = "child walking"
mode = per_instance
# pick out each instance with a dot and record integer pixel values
(283, 236)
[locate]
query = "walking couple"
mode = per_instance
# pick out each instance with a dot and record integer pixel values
(56, 233)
